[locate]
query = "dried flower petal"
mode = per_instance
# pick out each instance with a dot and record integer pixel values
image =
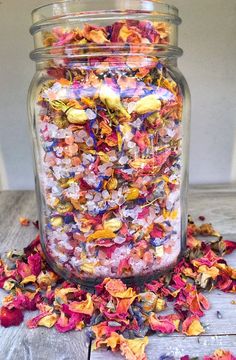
(24, 221)
(165, 324)
(102, 234)
(83, 307)
(10, 317)
(112, 224)
(192, 326)
(48, 321)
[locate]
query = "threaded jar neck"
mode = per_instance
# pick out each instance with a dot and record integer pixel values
(78, 28)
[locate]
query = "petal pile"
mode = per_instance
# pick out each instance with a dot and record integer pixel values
(117, 316)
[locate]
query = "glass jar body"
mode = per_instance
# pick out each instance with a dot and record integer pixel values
(110, 136)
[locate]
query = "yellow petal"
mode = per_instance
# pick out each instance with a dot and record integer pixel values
(139, 163)
(213, 272)
(61, 293)
(134, 349)
(112, 184)
(125, 128)
(9, 284)
(88, 267)
(129, 293)
(104, 157)
(101, 234)
(194, 329)
(159, 251)
(147, 104)
(83, 307)
(46, 278)
(28, 279)
(80, 325)
(48, 321)
(160, 305)
(113, 340)
(170, 214)
(124, 33)
(132, 194)
(98, 36)
(56, 221)
(63, 208)
(119, 138)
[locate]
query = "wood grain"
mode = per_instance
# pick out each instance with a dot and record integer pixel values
(216, 203)
(20, 343)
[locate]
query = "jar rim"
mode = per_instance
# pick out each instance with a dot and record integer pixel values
(69, 11)
(72, 13)
(154, 5)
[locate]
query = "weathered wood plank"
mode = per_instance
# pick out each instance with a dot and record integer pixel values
(217, 206)
(12, 206)
(19, 342)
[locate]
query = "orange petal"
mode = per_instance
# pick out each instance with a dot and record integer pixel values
(83, 307)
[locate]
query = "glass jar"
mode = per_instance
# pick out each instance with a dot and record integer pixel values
(109, 113)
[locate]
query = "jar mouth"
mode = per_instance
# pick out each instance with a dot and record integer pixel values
(84, 10)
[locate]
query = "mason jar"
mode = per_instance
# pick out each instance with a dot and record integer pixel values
(109, 114)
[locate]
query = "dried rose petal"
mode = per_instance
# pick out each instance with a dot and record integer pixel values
(165, 324)
(10, 317)
(192, 326)
(24, 221)
(220, 355)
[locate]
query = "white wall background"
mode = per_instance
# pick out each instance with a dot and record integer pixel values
(208, 37)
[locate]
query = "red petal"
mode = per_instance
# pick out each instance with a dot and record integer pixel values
(156, 232)
(34, 262)
(28, 250)
(23, 269)
(230, 246)
(10, 317)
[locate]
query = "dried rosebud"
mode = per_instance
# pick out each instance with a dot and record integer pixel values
(76, 116)
(112, 224)
(10, 317)
(60, 121)
(147, 104)
(112, 100)
(56, 221)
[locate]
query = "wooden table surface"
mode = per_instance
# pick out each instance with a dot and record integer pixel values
(216, 203)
